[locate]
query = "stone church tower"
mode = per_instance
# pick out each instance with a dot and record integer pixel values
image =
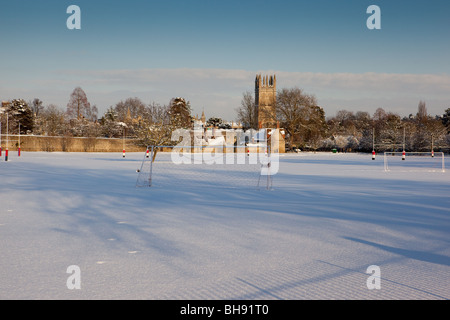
(265, 99)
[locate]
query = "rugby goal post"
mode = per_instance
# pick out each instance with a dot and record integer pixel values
(414, 161)
(222, 166)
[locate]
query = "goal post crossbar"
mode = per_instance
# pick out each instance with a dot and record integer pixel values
(256, 146)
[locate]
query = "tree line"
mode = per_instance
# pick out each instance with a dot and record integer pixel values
(297, 112)
(307, 128)
(147, 124)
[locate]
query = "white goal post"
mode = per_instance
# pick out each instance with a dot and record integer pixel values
(414, 161)
(222, 166)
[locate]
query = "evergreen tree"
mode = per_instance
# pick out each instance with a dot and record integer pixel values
(18, 111)
(180, 113)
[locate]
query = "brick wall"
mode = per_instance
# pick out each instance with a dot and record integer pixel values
(68, 144)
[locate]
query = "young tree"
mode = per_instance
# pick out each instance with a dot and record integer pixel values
(156, 130)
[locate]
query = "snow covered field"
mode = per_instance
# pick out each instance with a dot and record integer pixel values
(313, 236)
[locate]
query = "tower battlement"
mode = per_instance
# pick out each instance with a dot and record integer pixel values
(266, 81)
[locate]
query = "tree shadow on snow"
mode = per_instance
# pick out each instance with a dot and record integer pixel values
(409, 254)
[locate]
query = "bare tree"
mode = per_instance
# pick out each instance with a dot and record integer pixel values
(158, 113)
(313, 126)
(156, 129)
(429, 131)
(52, 121)
(292, 109)
(131, 108)
(343, 123)
(36, 106)
(422, 113)
(79, 106)
(246, 113)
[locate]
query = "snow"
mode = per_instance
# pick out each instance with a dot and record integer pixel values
(313, 236)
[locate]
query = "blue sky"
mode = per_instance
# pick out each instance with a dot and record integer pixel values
(210, 51)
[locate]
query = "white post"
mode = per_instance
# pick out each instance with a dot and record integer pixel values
(432, 146)
(6, 151)
(373, 144)
(403, 153)
(18, 150)
(123, 139)
(151, 169)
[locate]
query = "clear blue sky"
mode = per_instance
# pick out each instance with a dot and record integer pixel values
(41, 58)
